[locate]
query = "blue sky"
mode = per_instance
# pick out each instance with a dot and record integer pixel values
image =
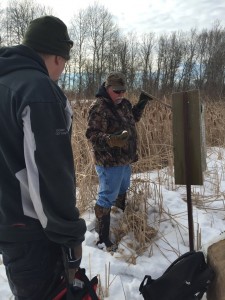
(144, 16)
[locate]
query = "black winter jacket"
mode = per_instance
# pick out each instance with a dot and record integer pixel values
(37, 183)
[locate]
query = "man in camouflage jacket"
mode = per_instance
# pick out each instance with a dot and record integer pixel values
(112, 133)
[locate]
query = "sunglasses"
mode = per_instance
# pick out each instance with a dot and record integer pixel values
(119, 92)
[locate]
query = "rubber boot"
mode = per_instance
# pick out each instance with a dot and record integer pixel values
(103, 225)
(121, 201)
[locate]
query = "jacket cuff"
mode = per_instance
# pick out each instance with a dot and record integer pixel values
(72, 261)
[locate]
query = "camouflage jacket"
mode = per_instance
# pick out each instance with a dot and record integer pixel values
(106, 118)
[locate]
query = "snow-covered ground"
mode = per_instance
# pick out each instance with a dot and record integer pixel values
(169, 215)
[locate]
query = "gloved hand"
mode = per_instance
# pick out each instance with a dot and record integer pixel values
(118, 140)
(143, 100)
(72, 257)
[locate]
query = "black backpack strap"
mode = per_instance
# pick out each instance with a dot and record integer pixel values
(89, 284)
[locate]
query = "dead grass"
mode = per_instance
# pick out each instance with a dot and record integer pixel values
(155, 152)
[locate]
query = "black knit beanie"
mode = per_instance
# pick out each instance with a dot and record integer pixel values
(48, 35)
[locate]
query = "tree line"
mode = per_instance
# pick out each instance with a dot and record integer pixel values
(160, 64)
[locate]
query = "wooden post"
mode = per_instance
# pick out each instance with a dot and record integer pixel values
(189, 153)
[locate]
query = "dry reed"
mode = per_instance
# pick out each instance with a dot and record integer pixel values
(155, 149)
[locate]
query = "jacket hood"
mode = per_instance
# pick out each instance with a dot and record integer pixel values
(18, 58)
(102, 92)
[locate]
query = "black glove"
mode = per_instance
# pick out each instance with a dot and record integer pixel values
(118, 140)
(72, 260)
(143, 100)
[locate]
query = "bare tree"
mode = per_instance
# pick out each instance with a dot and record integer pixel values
(18, 15)
(186, 74)
(79, 33)
(101, 29)
(132, 60)
(146, 60)
(214, 71)
(169, 60)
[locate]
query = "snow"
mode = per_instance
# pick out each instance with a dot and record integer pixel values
(168, 214)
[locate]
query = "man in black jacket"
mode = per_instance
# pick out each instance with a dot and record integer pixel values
(39, 223)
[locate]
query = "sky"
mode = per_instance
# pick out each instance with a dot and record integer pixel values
(144, 16)
(172, 237)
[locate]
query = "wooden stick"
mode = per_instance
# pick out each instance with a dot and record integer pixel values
(154, 98)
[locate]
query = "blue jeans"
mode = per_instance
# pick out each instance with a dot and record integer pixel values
(113, 181)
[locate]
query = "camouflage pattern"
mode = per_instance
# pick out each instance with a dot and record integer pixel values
(106, 118)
